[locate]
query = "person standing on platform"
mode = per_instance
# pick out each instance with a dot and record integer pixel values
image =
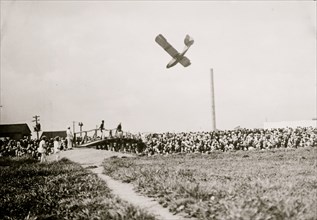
(110, 133)
(69, 138)
(102, 128)
(119, 131)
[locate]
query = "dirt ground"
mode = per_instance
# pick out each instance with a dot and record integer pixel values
(88, 157)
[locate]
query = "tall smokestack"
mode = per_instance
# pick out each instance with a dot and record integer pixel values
(213, 110)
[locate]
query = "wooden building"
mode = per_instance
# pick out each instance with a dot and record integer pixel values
(15, 131)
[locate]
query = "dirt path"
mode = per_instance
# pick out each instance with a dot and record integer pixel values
(87, 157)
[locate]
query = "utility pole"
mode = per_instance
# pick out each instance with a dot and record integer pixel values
(213, 109)
(0, 113)
(37, 127)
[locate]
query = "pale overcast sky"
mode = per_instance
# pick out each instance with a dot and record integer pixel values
(91, 61)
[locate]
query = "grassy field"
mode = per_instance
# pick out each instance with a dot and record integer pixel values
(276, 184)
(58, 190)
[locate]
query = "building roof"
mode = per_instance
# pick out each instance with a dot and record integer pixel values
(290, 124)
(53, 134)
(15, 128)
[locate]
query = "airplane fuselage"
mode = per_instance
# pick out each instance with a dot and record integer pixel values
(178, 57)
(173, 62)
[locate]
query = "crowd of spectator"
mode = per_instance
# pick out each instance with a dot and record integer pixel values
(184, 142)
(28, 147)
(240, 139)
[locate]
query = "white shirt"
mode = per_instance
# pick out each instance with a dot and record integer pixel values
(42, 146)
(69, 133)
(56, 146)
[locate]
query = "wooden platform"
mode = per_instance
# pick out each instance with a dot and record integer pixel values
(109, 140)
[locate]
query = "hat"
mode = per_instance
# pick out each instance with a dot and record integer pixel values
(43, 137)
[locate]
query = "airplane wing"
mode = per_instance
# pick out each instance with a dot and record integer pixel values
(166, 46)
(185, 62)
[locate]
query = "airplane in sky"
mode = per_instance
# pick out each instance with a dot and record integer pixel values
(177, 57)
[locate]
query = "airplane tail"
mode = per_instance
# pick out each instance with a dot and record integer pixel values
(188, 41)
